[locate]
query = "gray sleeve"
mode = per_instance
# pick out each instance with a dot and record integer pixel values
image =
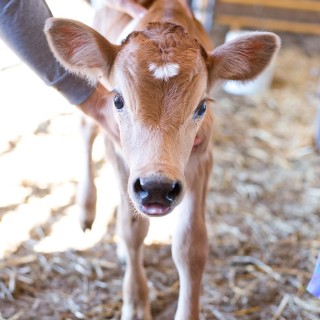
(21, 27)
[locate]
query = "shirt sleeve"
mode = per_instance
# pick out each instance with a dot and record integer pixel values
(21, 27)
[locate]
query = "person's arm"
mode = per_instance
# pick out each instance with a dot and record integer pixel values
(21, 27)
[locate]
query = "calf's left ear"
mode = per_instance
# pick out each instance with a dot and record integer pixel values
(243, 58)
(79, 48)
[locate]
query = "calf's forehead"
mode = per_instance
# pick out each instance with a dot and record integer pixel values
(166, 52)
(164, 67)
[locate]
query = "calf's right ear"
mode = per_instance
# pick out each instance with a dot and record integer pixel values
(79, 48)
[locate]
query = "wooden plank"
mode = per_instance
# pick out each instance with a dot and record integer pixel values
(306, 5)
(237, 22)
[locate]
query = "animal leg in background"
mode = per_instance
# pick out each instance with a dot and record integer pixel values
(87, 192)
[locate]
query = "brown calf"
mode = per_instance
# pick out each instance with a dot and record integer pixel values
(158, 119)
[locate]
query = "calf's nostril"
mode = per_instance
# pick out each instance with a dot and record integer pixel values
(139, 190)
(174, 193)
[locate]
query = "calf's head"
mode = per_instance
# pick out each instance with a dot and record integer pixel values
(160, 78)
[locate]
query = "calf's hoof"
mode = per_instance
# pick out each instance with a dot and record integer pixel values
(130, 312)
(86, 218)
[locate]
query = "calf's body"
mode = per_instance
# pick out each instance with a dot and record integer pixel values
(158, 121)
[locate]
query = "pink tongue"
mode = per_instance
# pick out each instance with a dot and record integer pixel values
(155, 208)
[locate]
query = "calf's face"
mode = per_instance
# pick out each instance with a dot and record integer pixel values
(160, 78)
(160, 86)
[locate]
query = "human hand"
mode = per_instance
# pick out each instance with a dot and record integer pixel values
(99, 106)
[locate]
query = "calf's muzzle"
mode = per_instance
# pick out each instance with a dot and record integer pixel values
(157, 195)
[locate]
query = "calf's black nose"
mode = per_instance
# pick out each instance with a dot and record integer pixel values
(156, 190)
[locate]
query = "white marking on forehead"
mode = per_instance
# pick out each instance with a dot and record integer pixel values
(165, 71)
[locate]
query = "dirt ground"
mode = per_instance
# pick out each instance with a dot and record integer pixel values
(263, 206)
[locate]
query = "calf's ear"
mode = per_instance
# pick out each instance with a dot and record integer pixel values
(79, 48)
(243, 58)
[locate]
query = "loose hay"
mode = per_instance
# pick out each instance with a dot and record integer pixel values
(263, 223)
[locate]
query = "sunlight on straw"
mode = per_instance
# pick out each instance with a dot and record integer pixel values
(67, 234)
(16, 225)
(39, 163)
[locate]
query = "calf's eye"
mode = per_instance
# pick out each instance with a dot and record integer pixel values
(201, 110)
(118, 102)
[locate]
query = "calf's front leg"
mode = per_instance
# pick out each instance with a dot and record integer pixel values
(189, 243)
(87, 192)
(132, 230)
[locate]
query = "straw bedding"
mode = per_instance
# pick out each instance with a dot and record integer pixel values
(263, 220)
